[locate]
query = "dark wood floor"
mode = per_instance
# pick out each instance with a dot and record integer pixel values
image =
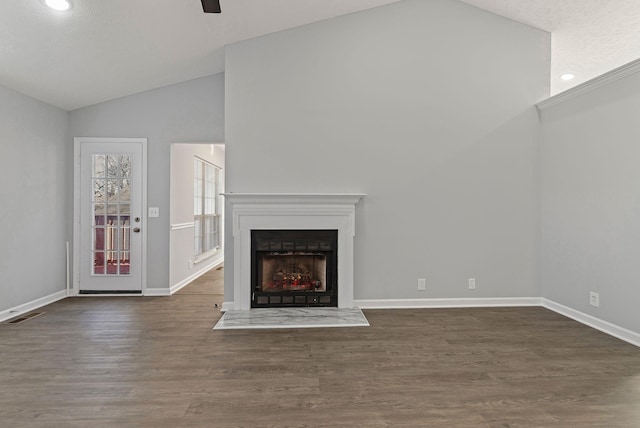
(156, 362)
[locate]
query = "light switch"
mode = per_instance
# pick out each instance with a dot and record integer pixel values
(154, 212)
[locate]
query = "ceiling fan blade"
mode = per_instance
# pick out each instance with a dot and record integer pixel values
(211, 6)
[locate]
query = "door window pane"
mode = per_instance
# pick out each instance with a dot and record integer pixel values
(125, 166)
(98, 263)
(99, 238)
(98, 214)
(98, 190)
(112, 166)
(112, 190)
(112, 210)
(98, 166)
(125, 190)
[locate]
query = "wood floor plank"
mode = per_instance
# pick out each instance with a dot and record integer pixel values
(156, 362)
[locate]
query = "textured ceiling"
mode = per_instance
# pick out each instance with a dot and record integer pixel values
(105, 49)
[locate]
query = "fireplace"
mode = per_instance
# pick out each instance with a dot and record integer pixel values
(289, 211)
(294, 268)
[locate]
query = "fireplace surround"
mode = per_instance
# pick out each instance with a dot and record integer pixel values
(269, 211)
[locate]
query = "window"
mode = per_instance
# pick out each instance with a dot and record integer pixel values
(205, 208)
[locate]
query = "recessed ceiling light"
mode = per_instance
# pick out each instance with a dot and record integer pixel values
(567, 76)
(60, 5)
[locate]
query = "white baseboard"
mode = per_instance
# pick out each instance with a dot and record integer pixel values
(434, 303)
(153, 292)
(446, 303)
(30, 306)
(176, 287)
(588, 320)
(604, 326)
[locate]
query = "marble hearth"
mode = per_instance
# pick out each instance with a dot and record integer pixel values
(292, 318)
(271, 211)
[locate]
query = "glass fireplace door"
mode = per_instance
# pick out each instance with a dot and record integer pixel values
(294, 268)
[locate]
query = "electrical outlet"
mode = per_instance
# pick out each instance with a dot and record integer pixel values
(190, 264)
(594, 299)
(154, 211)
(472, 283)
(422, 284)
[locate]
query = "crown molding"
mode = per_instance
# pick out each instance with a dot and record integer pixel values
(590, 85)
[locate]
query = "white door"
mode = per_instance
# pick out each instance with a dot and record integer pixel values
(110, 216)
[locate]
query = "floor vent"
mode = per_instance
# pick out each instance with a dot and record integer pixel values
(26, 317)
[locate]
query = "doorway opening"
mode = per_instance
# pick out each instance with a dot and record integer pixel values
(196, 212)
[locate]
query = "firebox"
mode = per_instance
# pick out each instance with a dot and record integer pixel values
(294, 268)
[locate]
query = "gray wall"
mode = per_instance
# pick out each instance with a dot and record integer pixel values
(426, 106)
(590, 159)
(192, 111)
(35, 159)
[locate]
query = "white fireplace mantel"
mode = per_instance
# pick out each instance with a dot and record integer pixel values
(282, 211)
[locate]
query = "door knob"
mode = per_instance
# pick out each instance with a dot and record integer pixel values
(136, 229)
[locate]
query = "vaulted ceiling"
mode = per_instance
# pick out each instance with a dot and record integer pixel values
(105, 49)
